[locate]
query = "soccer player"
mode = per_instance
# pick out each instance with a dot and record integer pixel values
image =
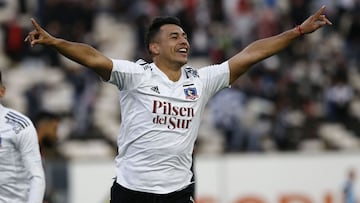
(162, 102)
(21, 171)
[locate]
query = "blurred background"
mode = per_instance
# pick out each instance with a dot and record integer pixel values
(300, 108)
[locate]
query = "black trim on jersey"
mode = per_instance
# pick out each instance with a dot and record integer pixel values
(188, 85)
(16, 118)
(141, 62)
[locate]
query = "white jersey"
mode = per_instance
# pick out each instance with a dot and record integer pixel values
(21, 173)
(160, 122)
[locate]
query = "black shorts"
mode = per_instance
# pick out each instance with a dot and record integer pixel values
(119, 194)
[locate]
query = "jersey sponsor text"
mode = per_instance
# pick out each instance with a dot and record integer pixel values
(172, 116)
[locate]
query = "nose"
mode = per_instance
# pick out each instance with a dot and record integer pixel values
(184, 40)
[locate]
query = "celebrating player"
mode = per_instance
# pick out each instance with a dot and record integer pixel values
(161, 103)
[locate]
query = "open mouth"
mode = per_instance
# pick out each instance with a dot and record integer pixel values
(183, 51)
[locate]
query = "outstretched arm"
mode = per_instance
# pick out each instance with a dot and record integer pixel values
(78, 52)
(267, 47)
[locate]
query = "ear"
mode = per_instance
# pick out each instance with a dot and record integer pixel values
(2, 91)
(154, 48)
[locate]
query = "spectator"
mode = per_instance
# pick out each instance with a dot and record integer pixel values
(55, 164)
(348, 189)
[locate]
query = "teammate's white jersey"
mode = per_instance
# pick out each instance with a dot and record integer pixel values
(21, 173)
(160, 122)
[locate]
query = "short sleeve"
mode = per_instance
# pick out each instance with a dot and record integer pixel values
(125, 74)
(215, 78)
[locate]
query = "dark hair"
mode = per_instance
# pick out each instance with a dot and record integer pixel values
(0, 78)
(45, 116)
(155, 26)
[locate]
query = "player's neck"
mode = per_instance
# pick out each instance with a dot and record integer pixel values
(171, 70)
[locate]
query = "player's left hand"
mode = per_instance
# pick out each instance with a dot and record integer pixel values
(39, 35)
(315, 21)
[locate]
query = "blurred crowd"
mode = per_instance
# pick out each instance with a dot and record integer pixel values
(305, 98)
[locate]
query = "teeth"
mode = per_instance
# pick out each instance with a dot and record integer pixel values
(183, 50)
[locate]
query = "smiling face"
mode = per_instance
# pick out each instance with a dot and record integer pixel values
(170, 46)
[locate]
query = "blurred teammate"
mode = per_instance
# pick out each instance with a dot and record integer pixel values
(162, 102)
(21, 171)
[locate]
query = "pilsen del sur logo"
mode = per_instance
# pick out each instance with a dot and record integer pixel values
(172, 116)
(191, 93)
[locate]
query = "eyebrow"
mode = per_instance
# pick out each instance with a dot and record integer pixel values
(177, 33)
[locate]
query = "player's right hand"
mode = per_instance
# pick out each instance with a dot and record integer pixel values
(38, 35)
